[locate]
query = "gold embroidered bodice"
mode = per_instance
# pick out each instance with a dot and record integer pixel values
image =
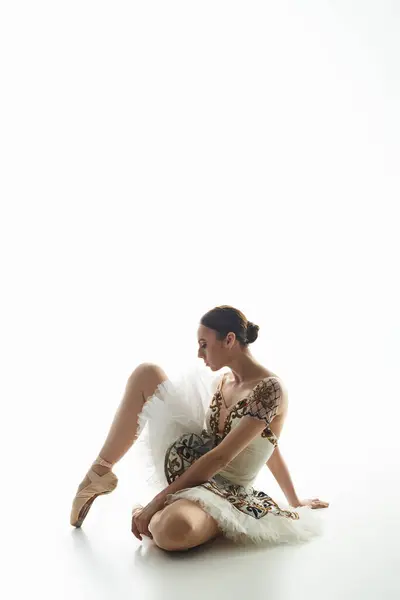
(262, 403)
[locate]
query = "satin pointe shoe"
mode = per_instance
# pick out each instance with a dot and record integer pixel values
(100, 484)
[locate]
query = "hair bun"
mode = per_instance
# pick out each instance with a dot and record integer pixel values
(252, 332)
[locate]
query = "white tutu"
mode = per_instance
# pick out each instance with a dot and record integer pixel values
(179, 407)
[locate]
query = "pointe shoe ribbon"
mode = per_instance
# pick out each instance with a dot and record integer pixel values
(100, 484)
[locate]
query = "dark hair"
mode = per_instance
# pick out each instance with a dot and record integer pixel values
(224, 319)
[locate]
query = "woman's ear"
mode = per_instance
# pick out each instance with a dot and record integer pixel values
(231, 339)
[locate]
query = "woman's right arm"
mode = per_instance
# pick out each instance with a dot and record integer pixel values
(279, 470)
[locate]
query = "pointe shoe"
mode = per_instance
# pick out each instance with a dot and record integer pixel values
(100, 484)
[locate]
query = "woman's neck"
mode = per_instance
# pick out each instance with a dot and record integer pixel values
(245, 368)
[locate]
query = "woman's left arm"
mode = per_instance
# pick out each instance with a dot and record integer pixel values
(199, 472)
(264, 404)
(214, 461)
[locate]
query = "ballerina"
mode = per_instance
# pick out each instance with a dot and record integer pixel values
(208, 436)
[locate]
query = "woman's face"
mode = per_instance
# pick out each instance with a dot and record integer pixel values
(210, 349)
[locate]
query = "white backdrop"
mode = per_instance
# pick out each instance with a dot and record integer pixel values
(159, 159)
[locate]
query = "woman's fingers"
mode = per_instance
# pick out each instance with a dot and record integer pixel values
(317, 503)
(143, 528)
(135, 530)
(140, 528)
(135, 523)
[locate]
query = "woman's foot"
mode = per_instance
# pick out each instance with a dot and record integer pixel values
(99, 469)
(99, 480)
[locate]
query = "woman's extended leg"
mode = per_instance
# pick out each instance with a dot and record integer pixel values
(181, 525)
(141, 384)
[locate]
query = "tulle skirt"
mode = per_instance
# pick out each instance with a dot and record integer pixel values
(173, 435)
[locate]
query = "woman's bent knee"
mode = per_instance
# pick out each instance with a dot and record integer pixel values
(147, 369)
(170, 530)
(147, 376)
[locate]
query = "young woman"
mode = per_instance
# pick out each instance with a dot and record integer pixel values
(207, 437)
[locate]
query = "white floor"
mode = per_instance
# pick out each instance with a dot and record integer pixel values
(358, 556)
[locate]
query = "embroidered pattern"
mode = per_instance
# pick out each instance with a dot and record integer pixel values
(189, 447)
(184, 451)
(249, 501)
(215, 409)
(262, 402)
